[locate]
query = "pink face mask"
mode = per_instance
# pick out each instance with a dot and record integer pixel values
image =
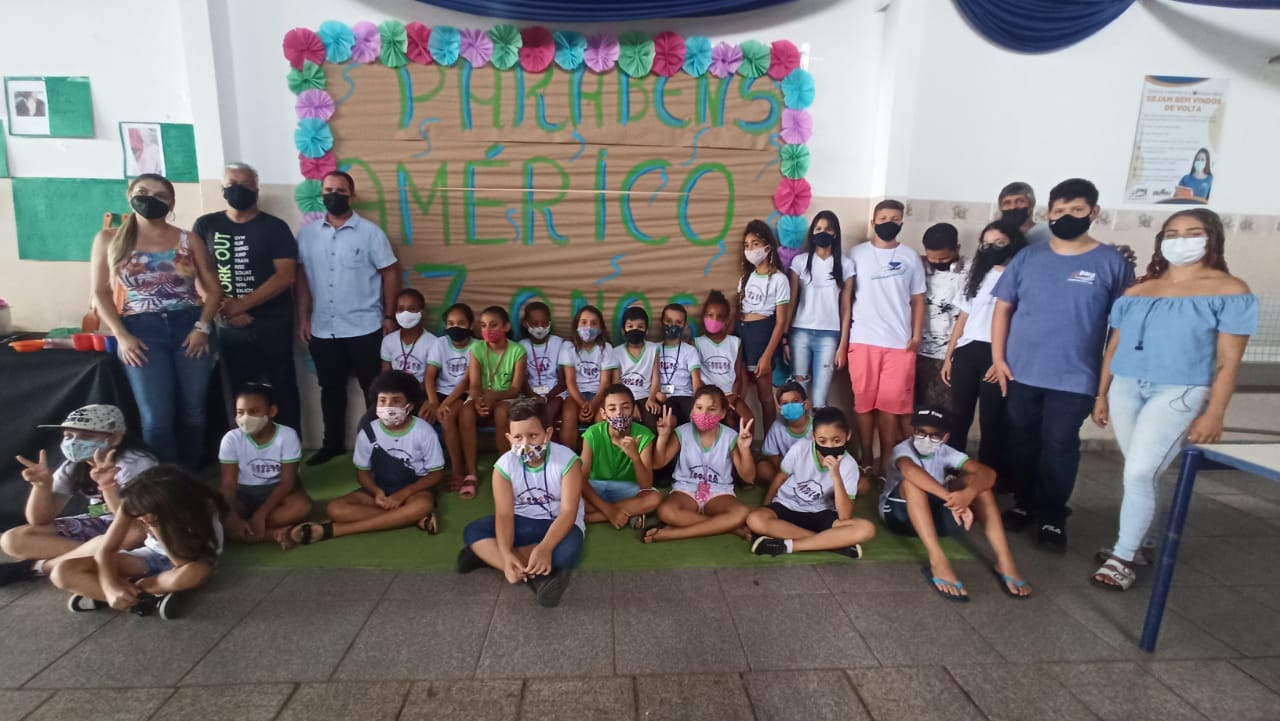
(704, 421)
(713, 325)
(493, 335)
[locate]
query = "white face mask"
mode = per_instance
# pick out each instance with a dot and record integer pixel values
(392, 416)
(756, 256)
(252, 424)
(408, 320)
(1185, 250)
(539, 332)
(1198, 166)
(925, 446)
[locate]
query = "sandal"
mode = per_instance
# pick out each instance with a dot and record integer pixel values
(429, 524)
(467, 490)
(650, 535)
(1006, 581)
(307, 537)
(637, 522)
(1145, 557)
(934, 582)
(1114, 575)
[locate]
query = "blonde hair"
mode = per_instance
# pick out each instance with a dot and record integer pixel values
(125, 239)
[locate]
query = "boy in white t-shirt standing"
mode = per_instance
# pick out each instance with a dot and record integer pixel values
(887, 326)
(945, 274)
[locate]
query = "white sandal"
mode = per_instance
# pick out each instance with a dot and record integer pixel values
(1114, 575)
(1146, 556)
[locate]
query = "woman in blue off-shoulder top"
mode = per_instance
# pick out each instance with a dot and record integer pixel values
(1177, 337)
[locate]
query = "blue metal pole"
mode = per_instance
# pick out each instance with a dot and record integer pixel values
(1191, 459)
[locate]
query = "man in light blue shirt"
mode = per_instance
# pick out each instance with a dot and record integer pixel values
(346, 301)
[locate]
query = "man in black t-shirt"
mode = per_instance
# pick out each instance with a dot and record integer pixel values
(255, 256)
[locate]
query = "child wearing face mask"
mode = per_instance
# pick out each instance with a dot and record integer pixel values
(617, 458)
(764, 295)
(446, 386)
(398, 462)
(407, 348)
(944, 276)
(706, 452)
(809, 506)
(678, 372)
(259, 460)
(794, 426)
(100, 459)
(535, 534)
(917, 500)
(495, 376)
(636, 361)
(542, 351)
(821, 292)
(587, 362)
(720, 355)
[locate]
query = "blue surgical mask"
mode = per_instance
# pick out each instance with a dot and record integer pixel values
(792, 411)
(77, 450)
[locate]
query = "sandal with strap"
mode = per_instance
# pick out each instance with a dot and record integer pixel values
(467, 490)
(326, 532)
(429, 524)
(934, 582)
(1007, 581)
(1145, 557)
(1114, 575)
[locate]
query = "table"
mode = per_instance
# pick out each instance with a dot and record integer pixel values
(1262, 459)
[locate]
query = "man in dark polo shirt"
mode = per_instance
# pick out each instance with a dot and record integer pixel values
(255, 256)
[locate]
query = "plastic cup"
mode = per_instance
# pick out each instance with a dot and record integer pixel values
(99, 343)
(82, 341)
(110, 344)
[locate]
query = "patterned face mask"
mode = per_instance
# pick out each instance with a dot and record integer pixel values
(621, 423)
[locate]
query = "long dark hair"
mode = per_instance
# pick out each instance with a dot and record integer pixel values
(760, 229)
(1208, 164)
(984, 262)
(129, 445)
(837, 271)
(601, 339)
(183, 509)
(1215, 240)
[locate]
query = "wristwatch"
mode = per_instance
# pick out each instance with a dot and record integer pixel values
(203, 327)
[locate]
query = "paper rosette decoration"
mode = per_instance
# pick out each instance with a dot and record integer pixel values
(785, 255)
(310, 77)
(317, 167)
(601, 53)
(395, 41)
(445, 44)
(307, 194)
(792, 230)
(338, 41)
(507, 41)
(313, 137)
(570, 47)
(794, 161)
(792, 196)
(797, 90)
(314, 103)
(668, 54)
(368, 45)
(417, 37)
(725, 59)
(635, 53)
(755, 59)
(475, 47)
(783, 58)
(537, 50)
(697, 56)
(797, 126)
(313, 216)
(301, 45)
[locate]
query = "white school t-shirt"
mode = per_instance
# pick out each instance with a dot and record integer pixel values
(417, 445)
(819, 305)
(411, 359)
(587, 364)
(779, 439)
(809, 488)
(935, 465)
(941, 311)
(886, 280)
(635, 373)
(695, 464)
(537, 491)
(542, 361)
(718, 361)
(128, 465)
(260, 465)
(452, 363)
(676, 365)
(981, 309)
(763, 294)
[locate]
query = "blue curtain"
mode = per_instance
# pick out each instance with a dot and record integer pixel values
(590, 11)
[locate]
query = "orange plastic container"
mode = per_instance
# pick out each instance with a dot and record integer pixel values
(27, 346)
(82, 341)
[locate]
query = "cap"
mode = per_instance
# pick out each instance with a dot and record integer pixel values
(98, 418)
(933, 417)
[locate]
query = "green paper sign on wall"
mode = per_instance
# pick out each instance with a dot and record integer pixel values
(56, 107)
(167, 149)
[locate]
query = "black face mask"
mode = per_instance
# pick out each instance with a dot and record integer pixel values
(1069, 227)
(829, 451)
(942, 266)
(998, 254)
(240, 197)
(149, 206)
(821, 240)
(635, 336)
(888, 231)
(457, 333)
(673, 331)
(337, 203)
(1015, 216)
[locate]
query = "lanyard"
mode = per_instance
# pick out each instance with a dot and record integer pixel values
(537, 367)
(545, 504)
(668, 378)
(491, 374)
(407, 353)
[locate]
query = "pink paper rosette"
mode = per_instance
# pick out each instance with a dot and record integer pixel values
(302, 45)
(792, 196)
(668, 54)
(419, 37)
(317, 167)
(797, 126)
(537, 50)
(783, 58)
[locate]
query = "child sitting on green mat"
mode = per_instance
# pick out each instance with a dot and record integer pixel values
(617, 458)
(398, 461)
(793, 426)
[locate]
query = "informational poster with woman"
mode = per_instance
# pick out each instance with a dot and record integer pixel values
(1174, 149)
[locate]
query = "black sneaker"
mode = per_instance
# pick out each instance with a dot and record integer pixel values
(468, 561)
(551, 587)
(170, 606)
(148, 604)
(83, 604)
(1016, 519)
(17, 571)
(1053, 537)
(854, 551)
(766, 546)
(323, 456)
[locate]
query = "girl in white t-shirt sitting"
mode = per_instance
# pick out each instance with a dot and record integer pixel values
(764, 295)
(260, 471)
(586, 360)
(446, 385)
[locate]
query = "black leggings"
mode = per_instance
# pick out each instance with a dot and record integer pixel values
(969, 364)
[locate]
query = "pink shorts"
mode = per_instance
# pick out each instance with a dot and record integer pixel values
(884, 379)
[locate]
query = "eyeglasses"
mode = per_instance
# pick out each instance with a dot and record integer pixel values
(921, 435)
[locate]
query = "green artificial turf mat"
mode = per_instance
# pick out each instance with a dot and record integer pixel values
(605, 549)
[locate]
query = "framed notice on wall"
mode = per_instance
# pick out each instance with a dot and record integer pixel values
(1176, 143)
(58, 107)
(167, 149)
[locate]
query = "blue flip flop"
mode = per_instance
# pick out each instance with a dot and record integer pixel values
(1005, 581)
(933, 584)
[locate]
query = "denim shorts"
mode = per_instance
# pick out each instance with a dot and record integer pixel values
(157, 563)
(614, 491)
(896, 518)
(251, 498)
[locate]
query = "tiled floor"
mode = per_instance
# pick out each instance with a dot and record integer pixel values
(851, 641)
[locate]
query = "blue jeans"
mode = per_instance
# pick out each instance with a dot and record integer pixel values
(263, 351)
(529, 532)
(813, 357)
(170, 389)
(1044, 447)
(1151, 422)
